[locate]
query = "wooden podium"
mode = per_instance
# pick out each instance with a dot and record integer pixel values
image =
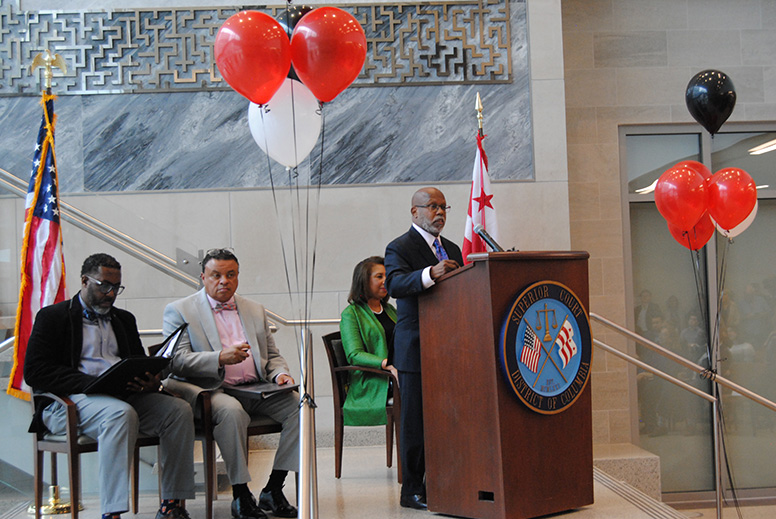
(488, 455)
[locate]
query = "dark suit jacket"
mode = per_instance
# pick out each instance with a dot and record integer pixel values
(54, 349)
(405, 259)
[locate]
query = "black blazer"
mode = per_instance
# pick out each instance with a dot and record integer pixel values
(405, 259)
(54, 349)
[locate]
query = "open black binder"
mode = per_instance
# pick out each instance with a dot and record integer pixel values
(114, 380)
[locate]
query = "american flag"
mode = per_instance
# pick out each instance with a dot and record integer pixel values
(481, 209)
(565, 341)
(42, 263)
(532, 350)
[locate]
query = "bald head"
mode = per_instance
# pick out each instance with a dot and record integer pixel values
(429, 210)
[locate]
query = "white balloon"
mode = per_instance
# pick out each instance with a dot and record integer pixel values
(287, 127)
(738, 229)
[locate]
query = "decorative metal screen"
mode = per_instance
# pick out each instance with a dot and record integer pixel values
(166, 50)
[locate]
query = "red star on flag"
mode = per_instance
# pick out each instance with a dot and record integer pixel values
(484, 214)
(483, 200)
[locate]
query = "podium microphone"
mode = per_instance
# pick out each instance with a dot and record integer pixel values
(479, 229)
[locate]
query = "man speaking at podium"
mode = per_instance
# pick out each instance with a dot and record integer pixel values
(413, 262)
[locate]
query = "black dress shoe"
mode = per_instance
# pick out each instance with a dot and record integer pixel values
(274, 501)
(246, 507)
(416, 501)
(173, 513)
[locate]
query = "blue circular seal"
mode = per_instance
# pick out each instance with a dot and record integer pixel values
(546, 347)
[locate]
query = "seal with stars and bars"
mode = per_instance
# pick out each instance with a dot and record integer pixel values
(546, 347)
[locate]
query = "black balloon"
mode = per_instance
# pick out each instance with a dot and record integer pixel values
(710, 98)
(288, 18)
(291, 15)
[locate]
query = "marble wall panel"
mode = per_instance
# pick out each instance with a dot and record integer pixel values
(201, 140)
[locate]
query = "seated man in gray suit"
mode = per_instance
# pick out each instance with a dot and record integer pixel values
(228, 340)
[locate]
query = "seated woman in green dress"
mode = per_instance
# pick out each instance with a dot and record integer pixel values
(367, 338)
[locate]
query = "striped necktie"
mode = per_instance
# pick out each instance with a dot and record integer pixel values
(440, 251)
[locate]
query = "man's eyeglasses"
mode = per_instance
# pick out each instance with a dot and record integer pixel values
(434, 207)
(105, 287)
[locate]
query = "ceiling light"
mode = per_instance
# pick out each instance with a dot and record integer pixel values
(763, 148)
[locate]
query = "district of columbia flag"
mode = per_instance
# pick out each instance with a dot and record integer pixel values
(42, 263)
(567, 348)
(532, 350)
(481, 209)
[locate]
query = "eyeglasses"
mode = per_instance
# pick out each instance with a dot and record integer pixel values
(434, 207)
(105, 287)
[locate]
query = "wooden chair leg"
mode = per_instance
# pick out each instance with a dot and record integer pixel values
(75, 483)
(209, 460)
(38, 460)
(339, 427)
(135, 479)
(389, 439)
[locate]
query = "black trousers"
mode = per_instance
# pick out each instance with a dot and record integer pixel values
(413, 454)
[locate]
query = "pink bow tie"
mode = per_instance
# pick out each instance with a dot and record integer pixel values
(220, 307)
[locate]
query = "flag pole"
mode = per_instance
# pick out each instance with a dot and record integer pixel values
(49, 62)
(478, 107)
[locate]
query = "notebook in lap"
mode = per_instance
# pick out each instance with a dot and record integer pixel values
(114, 380)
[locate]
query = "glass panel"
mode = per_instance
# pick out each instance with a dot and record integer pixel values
(674, 424)
(733, 150)
(650, 155)
(748, 347)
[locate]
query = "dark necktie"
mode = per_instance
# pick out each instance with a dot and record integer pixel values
(440, 251)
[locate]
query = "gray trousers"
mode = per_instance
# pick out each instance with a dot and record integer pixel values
(115, 424)
(231, 416)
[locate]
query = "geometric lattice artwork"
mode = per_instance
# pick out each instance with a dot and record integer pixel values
(169, 50)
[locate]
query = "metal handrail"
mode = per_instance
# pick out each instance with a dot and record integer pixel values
(704, 372)
(107, 233)
(6, 344)
(646, 367)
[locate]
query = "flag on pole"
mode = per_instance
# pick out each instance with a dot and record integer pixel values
(567, 348)
(42, 263)
(532, 350)
(481, 209)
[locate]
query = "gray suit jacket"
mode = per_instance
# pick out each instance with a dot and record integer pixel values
(195, 363)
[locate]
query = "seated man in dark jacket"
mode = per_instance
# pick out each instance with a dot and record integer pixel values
(71, 344)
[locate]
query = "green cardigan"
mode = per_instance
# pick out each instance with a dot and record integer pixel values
(364, 342)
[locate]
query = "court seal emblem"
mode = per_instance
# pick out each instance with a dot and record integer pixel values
(546, 347)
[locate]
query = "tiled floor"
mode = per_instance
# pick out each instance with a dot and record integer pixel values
(368, 490)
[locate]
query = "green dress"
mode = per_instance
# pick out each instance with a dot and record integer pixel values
(365, 344)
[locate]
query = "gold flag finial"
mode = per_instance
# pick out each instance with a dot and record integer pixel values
(48, 62)
(478, 106)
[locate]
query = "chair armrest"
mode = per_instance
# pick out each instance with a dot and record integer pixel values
(204, 401)
(71, 415)
(376, 371)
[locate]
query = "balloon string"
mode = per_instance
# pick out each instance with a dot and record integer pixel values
(318, 198)
(695, 257)
(277, 209)
(721, 276)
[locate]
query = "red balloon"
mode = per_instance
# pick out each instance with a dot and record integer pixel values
(253, 54)
(697, 166)
(680, 196)
(696, 237)
(732, 196)
(328, 49)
